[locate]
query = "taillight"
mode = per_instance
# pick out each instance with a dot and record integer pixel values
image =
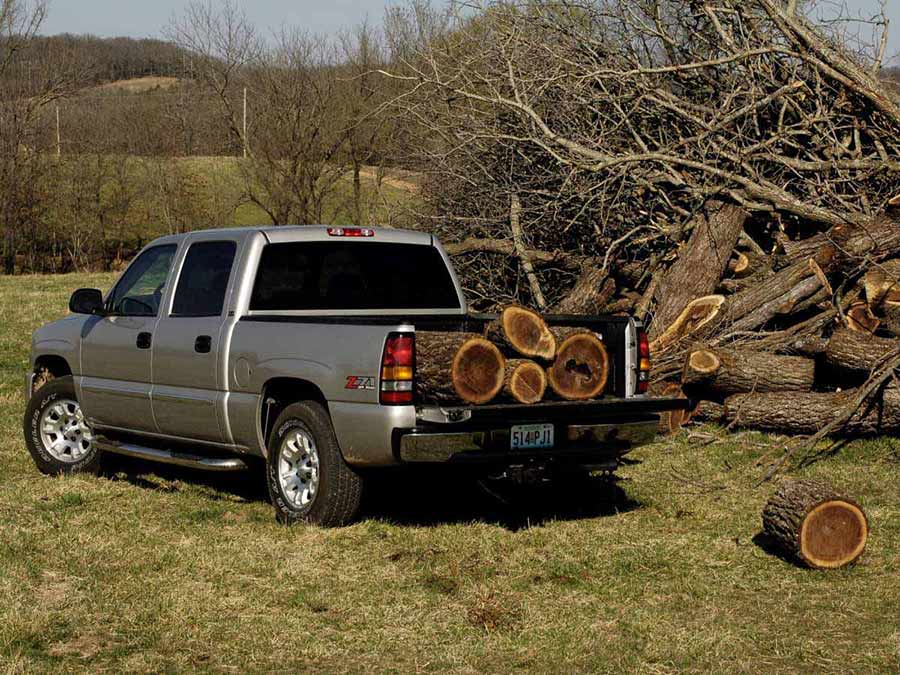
(643, 380)
(397, 369)
(350, 232)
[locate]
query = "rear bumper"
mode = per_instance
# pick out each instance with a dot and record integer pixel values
(591, 443)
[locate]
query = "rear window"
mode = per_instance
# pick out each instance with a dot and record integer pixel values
(347, 275)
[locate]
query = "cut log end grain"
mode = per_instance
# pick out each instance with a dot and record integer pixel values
(478, 371)
(697, 314)
(525, 382)
(812, 522)
(703, 362)
(581, 369)
(457, 367)
(861, 319)
(522, 331)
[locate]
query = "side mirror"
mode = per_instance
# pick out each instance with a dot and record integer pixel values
(86, 301)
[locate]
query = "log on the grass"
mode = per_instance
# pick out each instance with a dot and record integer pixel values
(700, 265)
(590, 295)
(815, 524)
(457, 367)
(860, 352)
(718, 373)
(581, 368)
(709, 411)
(521, 331)
(525, 381)
(806, 413)
(671, 421)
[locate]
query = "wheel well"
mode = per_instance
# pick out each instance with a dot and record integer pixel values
(281, 392)
(48, 367)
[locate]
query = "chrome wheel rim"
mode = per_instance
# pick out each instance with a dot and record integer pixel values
(64, 431)
(298, 468)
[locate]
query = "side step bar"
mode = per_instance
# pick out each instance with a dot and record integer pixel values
(170, 456)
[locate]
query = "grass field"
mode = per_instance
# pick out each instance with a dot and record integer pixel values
(157, 569)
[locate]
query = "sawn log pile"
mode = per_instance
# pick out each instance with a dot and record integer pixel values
(519, 358)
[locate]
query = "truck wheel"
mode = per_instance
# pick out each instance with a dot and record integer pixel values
(56, 433)
(308, 479)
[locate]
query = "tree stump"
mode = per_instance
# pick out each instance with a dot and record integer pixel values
(520, 331)
(525, 381)
(581, 369)
(457, 367)
(812, 522)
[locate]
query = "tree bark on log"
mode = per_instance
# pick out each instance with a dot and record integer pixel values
(520, 331)
(860, 352)
(709, 411)
(457, 367)
(581, 368)
(590, 295)
(835, 248)
(525, 381)
(722, 372)
(807, 413)
(815, 524)
(700, 265)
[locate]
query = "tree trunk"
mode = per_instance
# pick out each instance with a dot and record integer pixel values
(590, 295)
(855, 351)
(891, 317)
(457, 367)
(695, 316)
(859, 318)
(671, 421)
(815, 524)
(700, 265)
(723, 372)
(844, 243)
(807, 413)
(523, 332)
(581, 369)
(709, 411)
(525, 381)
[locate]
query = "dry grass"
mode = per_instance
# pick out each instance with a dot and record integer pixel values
(137, 85)
(157, 569)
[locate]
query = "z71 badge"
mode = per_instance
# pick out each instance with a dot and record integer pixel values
(360, 382)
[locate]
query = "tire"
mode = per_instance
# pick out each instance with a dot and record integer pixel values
(56, 403)
(337, 493)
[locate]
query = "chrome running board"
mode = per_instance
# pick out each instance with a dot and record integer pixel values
(170, 456)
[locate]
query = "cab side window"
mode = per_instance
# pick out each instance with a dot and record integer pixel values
(139, 291)
(204, 279)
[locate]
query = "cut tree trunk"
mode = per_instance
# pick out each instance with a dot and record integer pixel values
(457, 367)
(881, 280)
(859, 318)
(815, 524)
(842, 244)
(520, 331)
(856, 351)
(700, 265)
(807, 413)
(581, 368)
(590, 295)
(525, 381)
(718, 373)
(697, 314)
(709, 411)
(890, 313)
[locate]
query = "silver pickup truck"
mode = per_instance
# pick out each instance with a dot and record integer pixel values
(296, 345)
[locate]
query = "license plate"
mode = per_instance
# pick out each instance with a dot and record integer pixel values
(531, 436)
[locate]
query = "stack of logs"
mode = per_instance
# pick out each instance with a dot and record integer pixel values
(516, 358)
(782, 341)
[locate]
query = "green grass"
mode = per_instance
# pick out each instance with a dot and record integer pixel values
(158, 569)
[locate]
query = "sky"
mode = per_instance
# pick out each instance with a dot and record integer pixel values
(146, 18)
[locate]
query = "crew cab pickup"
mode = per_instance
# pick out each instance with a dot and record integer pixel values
(220, 346)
